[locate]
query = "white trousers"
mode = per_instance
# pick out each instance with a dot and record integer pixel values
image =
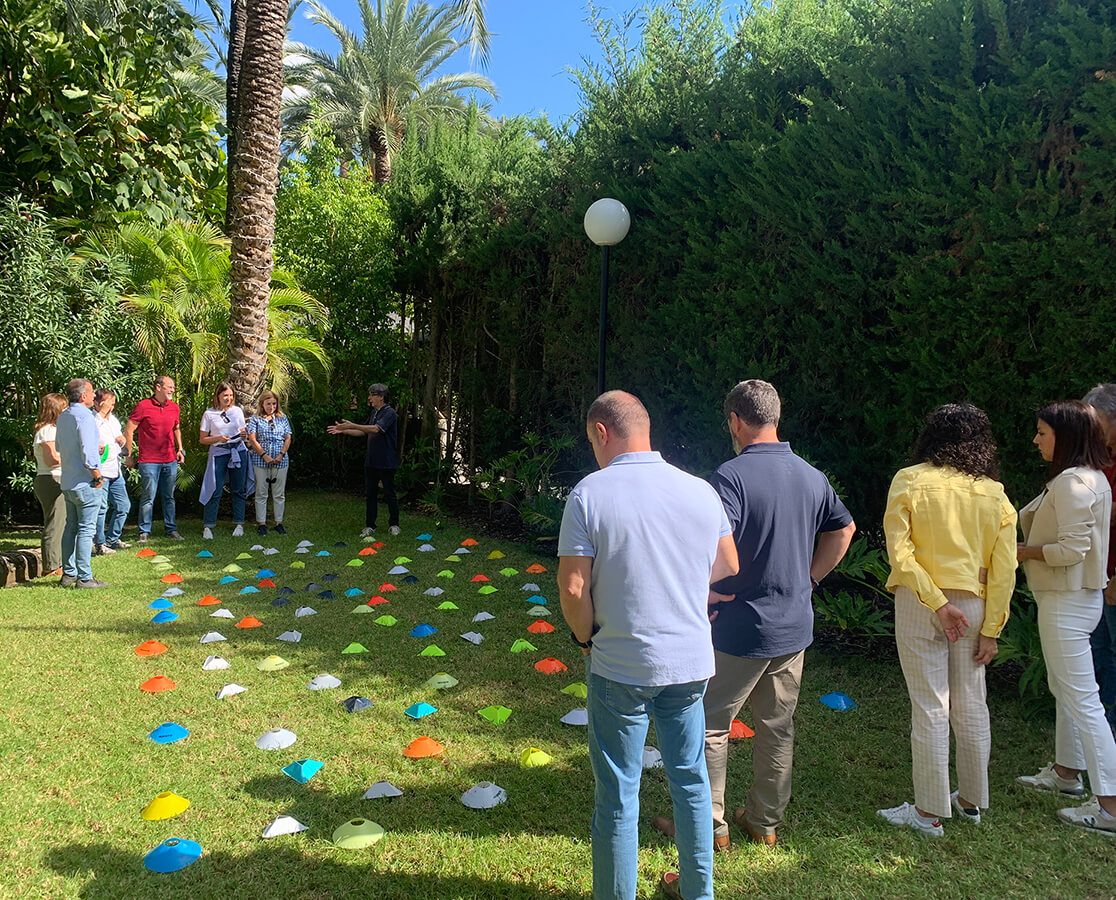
(1082, 738)
(278, 492)
(947, 689)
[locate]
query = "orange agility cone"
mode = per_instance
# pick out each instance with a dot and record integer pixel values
(551, 666)
(540, 626)
(479, 578)
(151, 648)
(157, 685)
(249, 622)
(171, 578)
(367, 551)
(738, 731)
(468, 542)
(422, 747)
(209, 600)
(146, 553)
(535, 569)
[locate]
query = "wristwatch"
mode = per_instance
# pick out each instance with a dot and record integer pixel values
(584, 645)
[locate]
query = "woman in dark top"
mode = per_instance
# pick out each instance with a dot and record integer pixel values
(380, 459)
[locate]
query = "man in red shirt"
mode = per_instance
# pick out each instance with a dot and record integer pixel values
(156, 420)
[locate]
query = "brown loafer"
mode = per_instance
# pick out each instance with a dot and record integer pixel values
(668, 884)
(754, 834)
(665, 825)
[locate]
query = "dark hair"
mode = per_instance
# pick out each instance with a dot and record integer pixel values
(101, 393)
(1078, 436)
(621, 413)
(959, 435)
(219, 390)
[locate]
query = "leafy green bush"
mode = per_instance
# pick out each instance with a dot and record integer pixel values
(56, 324)
(521, 482)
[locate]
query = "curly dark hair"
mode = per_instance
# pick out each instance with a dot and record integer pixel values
(959, 435)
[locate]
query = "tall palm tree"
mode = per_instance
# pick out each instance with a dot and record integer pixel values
(253, 188)
(386, 77)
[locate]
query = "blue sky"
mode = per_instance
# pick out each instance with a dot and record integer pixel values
(535, 42)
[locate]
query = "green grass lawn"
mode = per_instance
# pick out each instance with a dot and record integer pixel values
(78, 767)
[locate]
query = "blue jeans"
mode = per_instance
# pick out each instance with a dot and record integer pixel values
(237, 479)
(1103, 643)
(157, 477)
(618, 719)
(114, 495)
(82, 504)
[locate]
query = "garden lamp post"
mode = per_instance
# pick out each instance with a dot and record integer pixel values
(606, 222)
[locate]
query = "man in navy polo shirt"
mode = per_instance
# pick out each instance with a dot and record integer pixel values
(790, 529)
(640, 543)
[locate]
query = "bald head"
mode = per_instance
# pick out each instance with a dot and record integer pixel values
(617, 423)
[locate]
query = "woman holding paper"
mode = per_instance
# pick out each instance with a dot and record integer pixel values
(223, 431)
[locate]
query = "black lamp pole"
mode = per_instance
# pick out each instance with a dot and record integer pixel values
(601, 338)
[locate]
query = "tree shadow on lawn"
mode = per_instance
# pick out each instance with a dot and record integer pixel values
(274, 871)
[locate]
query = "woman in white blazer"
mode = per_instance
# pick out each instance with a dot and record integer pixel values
(1064, 553)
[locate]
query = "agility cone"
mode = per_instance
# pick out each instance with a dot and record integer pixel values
(356, 834)
(157, 685)
(422, 747)
(151, 648)
(166, 805)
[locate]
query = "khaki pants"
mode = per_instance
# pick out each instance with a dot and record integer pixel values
(946, 689)
(49, 494)
(770, 688)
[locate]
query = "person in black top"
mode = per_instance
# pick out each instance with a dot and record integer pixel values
(381, 459)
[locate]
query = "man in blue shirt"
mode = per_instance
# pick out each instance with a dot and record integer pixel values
(790, 530)
(77, 444)
(640, 543)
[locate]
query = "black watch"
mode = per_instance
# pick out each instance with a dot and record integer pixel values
(584, 645)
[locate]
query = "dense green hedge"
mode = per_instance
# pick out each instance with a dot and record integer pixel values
(878, 206)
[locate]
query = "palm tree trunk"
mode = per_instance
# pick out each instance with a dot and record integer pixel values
(382, 168)
(238, 10)
(255, 181)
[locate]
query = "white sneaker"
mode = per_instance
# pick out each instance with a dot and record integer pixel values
(368, 532)
(207, 534)
(964, 813)
(1046, 779)
(394, 529)
(238, 531)
(1090, 816)
(906, 816)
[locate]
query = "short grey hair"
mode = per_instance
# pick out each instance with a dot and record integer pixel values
(755, 403)
(380, 390)
(76, 388)
(623, 414)
(1103, 399)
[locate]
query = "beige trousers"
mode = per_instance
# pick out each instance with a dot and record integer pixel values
(946, 689)
(770, 688)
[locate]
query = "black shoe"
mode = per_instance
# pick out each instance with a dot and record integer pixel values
(91, 584)
(279, 529)
(67, 581)
(261, 529)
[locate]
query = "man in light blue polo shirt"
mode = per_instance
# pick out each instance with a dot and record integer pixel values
(77, 443)
(640, 543)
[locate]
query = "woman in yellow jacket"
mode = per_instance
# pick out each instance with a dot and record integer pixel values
(1064, 553)
(950, 534)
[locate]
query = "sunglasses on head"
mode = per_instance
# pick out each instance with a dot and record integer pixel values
(225, 416)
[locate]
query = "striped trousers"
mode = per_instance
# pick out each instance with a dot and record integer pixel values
(947, 691)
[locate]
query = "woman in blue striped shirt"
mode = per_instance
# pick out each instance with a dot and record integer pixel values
(269, 439)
